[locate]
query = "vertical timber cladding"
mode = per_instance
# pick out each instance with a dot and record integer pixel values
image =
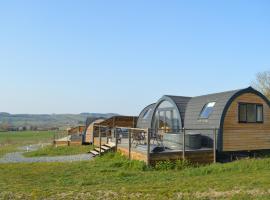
(246, 136)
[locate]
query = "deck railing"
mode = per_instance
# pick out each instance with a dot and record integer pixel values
(154, 141)
(59, 135)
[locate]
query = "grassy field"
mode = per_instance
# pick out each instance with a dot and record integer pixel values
(114, 177)
(59, 151)
(10, 141)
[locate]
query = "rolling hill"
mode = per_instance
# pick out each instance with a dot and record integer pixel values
(46, 121)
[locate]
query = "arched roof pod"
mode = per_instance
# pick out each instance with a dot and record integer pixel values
(145, 117)
(218, 105)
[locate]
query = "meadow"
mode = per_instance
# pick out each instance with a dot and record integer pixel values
(112, 176)
(10, 141)
(51, 150)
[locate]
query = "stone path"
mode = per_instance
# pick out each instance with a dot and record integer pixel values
(17, 157)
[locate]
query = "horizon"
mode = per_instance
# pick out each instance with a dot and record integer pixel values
(82, 113)
(117, 57)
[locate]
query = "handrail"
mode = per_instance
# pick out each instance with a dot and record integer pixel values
(138, 129)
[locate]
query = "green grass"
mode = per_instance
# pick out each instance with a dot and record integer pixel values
(114, 177)
(59, 151)
(10, 141)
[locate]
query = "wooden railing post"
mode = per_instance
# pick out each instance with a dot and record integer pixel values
(116, 138)
(107, 135)
(215, 145)
(148, 146)
(129, 143)
(99, 141)
(184, 144)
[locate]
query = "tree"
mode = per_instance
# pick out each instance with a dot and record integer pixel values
(262, 83)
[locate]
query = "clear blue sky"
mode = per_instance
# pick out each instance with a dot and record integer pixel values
(118, 56)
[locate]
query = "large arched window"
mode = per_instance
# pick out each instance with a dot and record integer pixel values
(166, 118)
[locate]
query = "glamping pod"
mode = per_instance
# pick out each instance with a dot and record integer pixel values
(242, 117)
(145, 117)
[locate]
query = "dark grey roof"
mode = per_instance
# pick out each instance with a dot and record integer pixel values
(181, 103)
(146, 122)
(196, 104)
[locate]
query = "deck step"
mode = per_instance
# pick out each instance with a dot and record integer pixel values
(98, 150)
(110, 145)
(105, 148)
(95, 153)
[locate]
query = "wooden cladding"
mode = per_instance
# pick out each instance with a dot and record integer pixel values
(120, 121)
(76, 130)
(246, 136)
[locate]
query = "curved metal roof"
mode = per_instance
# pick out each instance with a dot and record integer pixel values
(181, 103)
(196, 104)
(143, 120)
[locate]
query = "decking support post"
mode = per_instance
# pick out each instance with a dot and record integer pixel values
(184, 143)
(148, 146)
(215, 146)
(107, 135)
(99, 141)
(116, 139)
(129, 144)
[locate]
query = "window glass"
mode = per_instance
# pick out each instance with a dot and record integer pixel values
(251, 113)
(166, 118)
(242, 112)
(207, 110)
(162, 122)
(259, 113)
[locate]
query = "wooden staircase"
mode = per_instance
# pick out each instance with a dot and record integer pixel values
(104, 148)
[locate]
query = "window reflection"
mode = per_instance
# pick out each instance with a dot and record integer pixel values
(166, 118)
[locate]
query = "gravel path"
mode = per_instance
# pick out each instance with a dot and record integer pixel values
(17, 157)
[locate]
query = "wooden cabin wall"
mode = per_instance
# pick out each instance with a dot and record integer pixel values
(76, 130)
(89, 134)
(120, 121)
(246, 136)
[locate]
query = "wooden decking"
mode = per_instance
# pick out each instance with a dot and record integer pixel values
(66, 141)
(199, 156)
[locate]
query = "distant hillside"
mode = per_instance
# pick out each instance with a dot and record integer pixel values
(44, 121)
